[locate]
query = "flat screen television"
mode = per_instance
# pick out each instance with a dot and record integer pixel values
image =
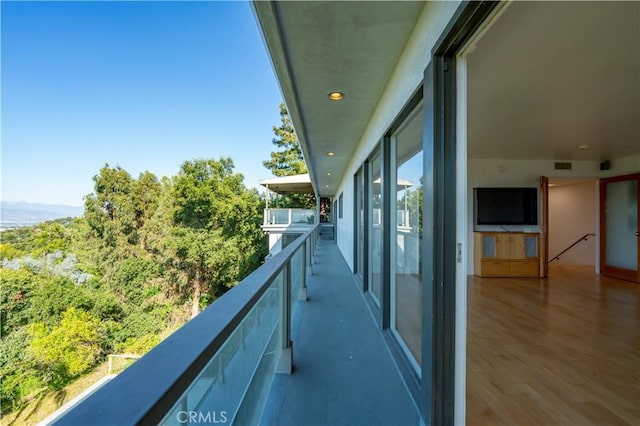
(506, 206)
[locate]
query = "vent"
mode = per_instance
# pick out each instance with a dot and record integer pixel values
(562, 166)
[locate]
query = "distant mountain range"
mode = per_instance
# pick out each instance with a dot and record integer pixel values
(18, 214)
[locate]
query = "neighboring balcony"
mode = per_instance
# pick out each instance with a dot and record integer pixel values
(403, 221)
(283, 226)
(292, 344)
(285, 218)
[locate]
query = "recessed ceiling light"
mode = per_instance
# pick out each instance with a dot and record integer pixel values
(326, 186)
(328, 173)
(336, 96)
(583, 147)
(331, 153)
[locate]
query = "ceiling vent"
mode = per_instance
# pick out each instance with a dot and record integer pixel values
(562, 165)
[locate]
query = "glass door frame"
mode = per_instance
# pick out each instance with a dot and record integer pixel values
(379, 154)
(612, 271)
(360, 225)
(413, 110)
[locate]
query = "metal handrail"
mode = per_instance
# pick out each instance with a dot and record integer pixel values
(148, 389)
(583, 238)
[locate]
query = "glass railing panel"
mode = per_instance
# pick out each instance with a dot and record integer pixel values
(289, 216)
(376, 220)
(303, 216)
(278, 216)
(402, 218)
(296, 277)
(232, 388)
(233, 374)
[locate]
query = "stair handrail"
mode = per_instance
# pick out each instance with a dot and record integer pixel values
(583, 238)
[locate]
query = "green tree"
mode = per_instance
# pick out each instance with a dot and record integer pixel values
(155, 249)
(145, 193)
(287, 160)
(19, 375)
(68, 349)
(46, 237)
(414, 205)
(51, 237)
(130, 278)
(117, 213)
(15, 292)
(8, 251)
(20, 238)
(161, 222)
(53, 296)
(216, 238)
(109, 210)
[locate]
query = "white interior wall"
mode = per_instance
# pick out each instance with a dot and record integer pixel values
(572, 214)
(405, 79)
(622, 166)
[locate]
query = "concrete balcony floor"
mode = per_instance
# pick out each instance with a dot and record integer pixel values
(344, 373)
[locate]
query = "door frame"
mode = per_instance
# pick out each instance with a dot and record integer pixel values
(544, 227)
(612, 271)
(441, 401)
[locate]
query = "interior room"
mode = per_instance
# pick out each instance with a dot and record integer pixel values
(553, 90)
(573, 224)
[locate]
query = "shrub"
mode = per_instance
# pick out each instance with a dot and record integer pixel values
(70, 348)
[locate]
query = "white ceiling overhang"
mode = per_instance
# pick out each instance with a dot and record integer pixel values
(318, 47)
(546, 79)
(296, 184)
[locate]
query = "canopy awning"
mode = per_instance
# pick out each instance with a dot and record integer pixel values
(296, 184)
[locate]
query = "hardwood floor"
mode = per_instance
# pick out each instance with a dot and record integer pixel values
(558, 351)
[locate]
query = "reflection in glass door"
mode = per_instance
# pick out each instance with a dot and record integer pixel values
(406, 271)
(375, 227)
(620, 238)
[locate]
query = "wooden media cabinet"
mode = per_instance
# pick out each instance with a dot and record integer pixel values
(506, 254)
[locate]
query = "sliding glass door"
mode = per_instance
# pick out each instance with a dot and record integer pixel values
(375, 226)
(406, 237)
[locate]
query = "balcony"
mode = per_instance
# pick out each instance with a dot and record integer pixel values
(279, 218)
(292, 344)
(283, 226)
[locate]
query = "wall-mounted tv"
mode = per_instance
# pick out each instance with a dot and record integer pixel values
(506, 206)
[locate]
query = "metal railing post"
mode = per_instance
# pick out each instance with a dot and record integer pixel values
(285, 364)
(290, 218)
(302, 294)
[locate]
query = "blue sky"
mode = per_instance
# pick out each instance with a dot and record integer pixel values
(143, 85)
